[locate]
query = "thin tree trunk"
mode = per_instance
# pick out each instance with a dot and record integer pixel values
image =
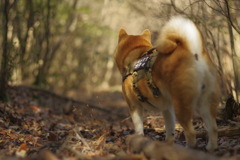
(4, 72)
(51, 51)
(234, 55)
(41, 76)
(23, 39)
(58, 44)
(110, 63)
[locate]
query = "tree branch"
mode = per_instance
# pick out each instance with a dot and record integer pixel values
(229, 17)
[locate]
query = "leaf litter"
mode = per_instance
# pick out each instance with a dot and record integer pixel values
(38, 124)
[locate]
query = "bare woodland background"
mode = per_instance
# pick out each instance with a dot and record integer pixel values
(68, 45)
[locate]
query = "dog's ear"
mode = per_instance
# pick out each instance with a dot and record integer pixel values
(147, 35)
(122, 33)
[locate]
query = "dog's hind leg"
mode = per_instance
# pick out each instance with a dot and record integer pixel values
(208, 113)
(183, 112)
(169, 119)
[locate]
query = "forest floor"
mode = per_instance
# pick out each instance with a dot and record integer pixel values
(38, 124)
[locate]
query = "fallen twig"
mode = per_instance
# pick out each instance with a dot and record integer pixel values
(81, 138)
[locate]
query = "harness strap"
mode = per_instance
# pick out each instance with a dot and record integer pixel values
(151, 84)
(125, 76)
(143, 68)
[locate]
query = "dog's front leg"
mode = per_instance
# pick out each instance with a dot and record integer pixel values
(137, 118)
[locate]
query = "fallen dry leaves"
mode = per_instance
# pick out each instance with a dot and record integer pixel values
(41, 125)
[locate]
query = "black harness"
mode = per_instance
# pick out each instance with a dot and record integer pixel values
(140, 69)
(143, 62)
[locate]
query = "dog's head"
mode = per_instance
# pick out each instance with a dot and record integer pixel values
(131, 47)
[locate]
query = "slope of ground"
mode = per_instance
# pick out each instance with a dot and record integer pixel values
(38, 124)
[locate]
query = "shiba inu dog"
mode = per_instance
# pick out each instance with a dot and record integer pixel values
(183, 73)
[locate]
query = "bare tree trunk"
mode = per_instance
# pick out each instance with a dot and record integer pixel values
(57, 45)
(41, 76)
(23, 36)
(110, 62)
(235, 63)
(4, 72)
(51, 51)
(234, 55)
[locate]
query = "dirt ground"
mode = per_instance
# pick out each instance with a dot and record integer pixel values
(38, 124)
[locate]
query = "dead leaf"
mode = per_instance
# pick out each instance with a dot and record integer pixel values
(22, 150)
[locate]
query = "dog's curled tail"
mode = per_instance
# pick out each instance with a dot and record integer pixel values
(180, 31)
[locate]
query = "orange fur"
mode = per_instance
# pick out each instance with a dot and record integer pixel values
(183, 84)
